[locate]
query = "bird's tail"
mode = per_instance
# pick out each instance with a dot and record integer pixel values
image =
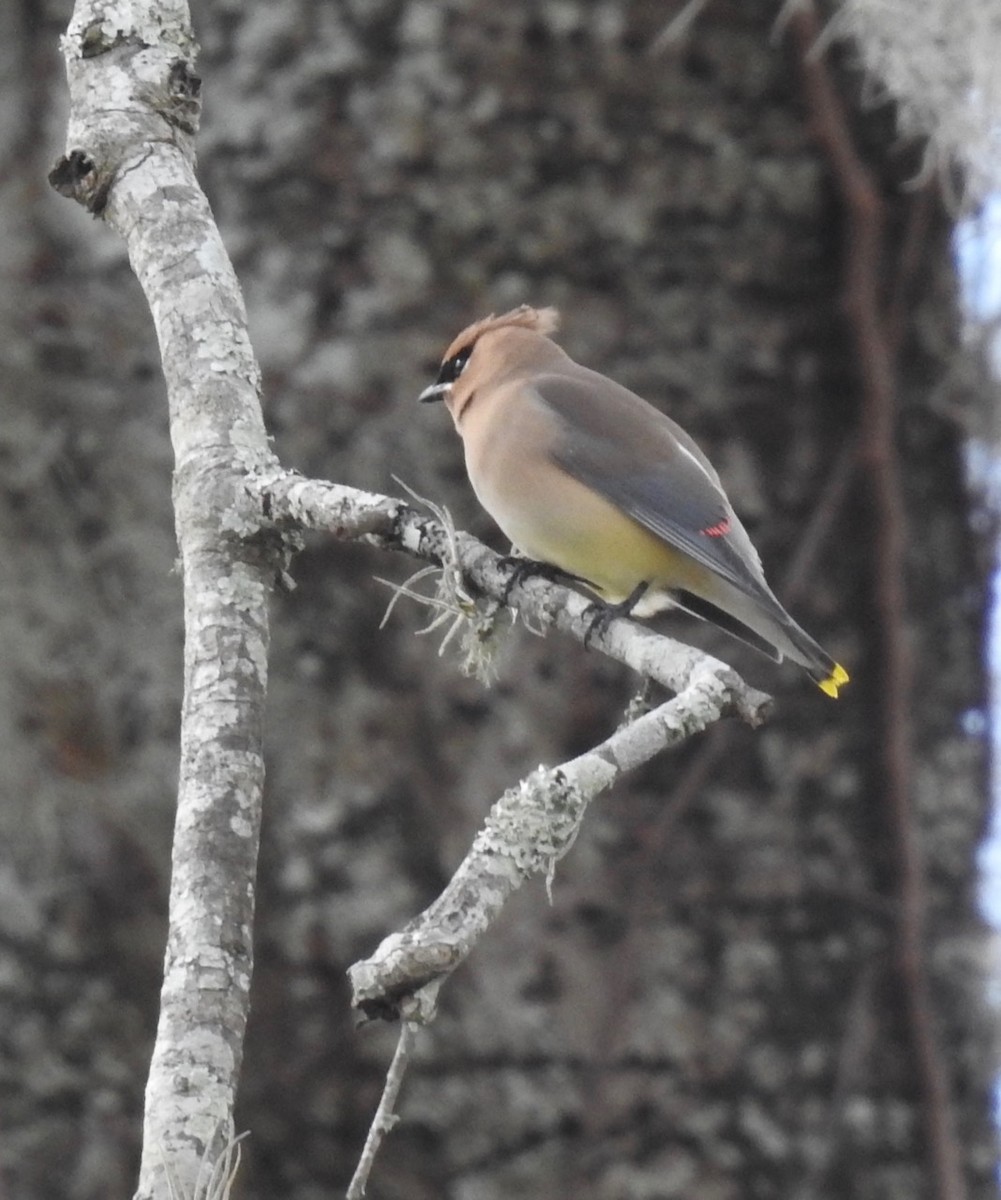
(763, 623)
(827, 674)
(796, 643)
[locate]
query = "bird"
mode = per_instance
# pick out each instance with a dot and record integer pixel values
(587, 478)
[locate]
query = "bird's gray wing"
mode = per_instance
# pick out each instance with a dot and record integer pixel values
(648, 467)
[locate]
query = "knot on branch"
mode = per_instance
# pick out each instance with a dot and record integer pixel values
(402, 978)
(100, 36)
(77, 176)
(181, 104)
(178, 99)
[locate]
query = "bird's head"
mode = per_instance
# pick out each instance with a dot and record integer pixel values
(489, 350)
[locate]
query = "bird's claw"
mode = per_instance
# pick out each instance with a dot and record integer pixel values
(523, 568)
(603, 613)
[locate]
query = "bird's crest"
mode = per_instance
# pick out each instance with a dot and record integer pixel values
(538, 320)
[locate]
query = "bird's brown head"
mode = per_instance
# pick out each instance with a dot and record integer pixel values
(491, 349)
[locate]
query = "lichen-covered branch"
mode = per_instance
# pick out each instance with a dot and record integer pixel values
(527, 832)
(291, 501)
(134, 108)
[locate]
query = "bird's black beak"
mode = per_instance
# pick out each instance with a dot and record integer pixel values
(437, 391)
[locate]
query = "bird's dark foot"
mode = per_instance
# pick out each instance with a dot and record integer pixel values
(602, 615)
(523, 568)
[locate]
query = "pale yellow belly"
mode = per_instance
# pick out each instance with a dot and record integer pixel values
(560, 521)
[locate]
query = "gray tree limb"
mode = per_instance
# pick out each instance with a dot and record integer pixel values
(134, 107)
(293, 502)
(526, 833)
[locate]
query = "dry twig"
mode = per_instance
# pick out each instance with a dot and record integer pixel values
(385, 1117)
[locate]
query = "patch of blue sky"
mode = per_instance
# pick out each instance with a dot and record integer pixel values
(978, 254)
(978, 258)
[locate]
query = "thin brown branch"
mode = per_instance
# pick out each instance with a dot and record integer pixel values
(909, 262)
(874, 335)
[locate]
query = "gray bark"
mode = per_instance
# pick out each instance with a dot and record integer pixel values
(133, 109)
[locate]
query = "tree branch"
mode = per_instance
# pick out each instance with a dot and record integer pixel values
(293, 502)
(134, 109)
(385, 1118)
(526, 833)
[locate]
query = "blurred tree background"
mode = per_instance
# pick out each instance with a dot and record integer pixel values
(721, 1001)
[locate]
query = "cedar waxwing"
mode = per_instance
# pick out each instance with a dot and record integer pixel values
(583, 475)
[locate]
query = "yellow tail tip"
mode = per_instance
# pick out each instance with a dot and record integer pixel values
(837, 678)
